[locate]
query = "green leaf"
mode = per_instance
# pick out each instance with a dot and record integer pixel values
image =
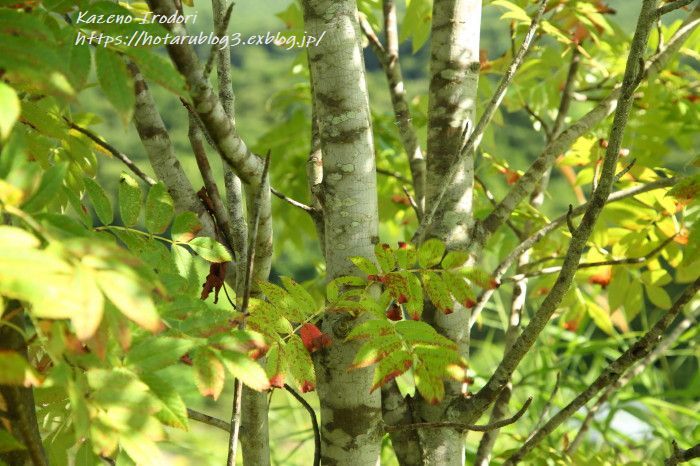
(15, 370)
(129, 200)
(455, 259)
(416, 332)
(375, 350)
(209, 373)
(17, 238)
(391, 367)
(275, 366)
(185, 227)
(429, 384)
(618, 287)
(88, 312)
(430, 253)
(9, 443)
(131, 297)
(385, 257)
(370, 329)
(459, 288)
(51, 181)
(159, 209)
(301, 299)
(115, 81)
(600, 317)
(173, 411)
(155, 353)
(658, 296)
(299, 363)
(141, 449)
(437, 291)
(100, 201)
(9, 102)
(244, 368)
(210, 249)
(364, 264)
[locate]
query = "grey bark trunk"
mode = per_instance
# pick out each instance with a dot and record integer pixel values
(454, 74)
(350, 414)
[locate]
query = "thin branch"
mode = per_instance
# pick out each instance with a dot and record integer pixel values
(625, 170)
(393, 174)
(250, 261)
(463, 427)
(547, 405)
(656, 353)
(220, 31)
(209, 420)
(218, 211)
(485, 119)
(492, 199)
(612, 372)
(681, 456)
(542, 122)
(411, 201)
(672, 6)
(308, 209)
(567, 92)
(121, 156)
(587, 265)
(314, 423)
(389, 59)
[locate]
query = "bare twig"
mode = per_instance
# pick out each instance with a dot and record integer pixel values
(121, 156)
(393, 174)
(542, 122)
(314, 423)
(485, 119)
(308, 209)
(250, 261)
(492, 199)
(681, 456)
(389, 58)
(411, 201)
(220, 31)
(217, 206)
(567, 92)
(672, 6)
(587, 265)
(625, 170)
(463, 427)
(547, 405)
(569, 220)
(209, 420)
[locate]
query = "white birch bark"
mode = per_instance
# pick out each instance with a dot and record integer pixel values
(454, 75)
(350, 414)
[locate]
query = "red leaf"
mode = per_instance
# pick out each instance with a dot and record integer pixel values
(469, 303)
(307, 386)
(394, 313)
(215, 280)
(313, 338)
(277, 380)
(602, 278)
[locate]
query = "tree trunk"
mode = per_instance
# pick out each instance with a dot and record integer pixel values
(454, 75)
(350, 414)
(19, 416)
